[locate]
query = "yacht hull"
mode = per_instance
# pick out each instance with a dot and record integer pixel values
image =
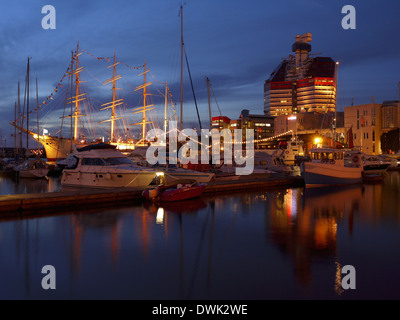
(140, 180)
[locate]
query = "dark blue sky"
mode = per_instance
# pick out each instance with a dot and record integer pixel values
(237, 44)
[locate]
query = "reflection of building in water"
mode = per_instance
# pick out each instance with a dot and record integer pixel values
(309, 229)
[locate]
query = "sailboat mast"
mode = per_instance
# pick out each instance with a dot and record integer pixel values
(209, 102)
(334, 128)
(37, 106)
(165, 107)
(181, 123)
(76, 94)
(72, 85)
(21, 122)
(113, 104)
(27, 108)
(144, 103)
(145, 107)
(15, 128)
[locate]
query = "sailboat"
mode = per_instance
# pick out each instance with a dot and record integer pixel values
(59, 147)
(33, 168)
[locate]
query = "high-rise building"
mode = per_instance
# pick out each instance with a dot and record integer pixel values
(301, 83)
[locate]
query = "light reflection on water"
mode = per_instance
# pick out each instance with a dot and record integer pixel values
(275, 244)
(9, 185)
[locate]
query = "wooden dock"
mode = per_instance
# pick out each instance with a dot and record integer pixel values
(42, 203)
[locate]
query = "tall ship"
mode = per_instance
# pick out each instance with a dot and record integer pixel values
(58, 147)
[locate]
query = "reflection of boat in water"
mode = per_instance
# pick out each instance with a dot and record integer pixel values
(102, 166)
(32, 169)
(181, 190)
(185, 206)
(328, 167)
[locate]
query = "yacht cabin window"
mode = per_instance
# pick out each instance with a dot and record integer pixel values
(93, 162)
(105, 161)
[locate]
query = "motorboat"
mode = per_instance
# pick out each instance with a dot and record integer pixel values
(329, 166)
(181, 190)
(274, 161)
(32, 169)
(374, 168)
(103, 166)
(290, 150)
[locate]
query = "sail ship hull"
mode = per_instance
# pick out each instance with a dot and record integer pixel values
(56, 148)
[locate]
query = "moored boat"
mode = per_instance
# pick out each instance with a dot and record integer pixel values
(374, 169)
(181, 190)
(32, 169)
(102, 166)
(328, 167)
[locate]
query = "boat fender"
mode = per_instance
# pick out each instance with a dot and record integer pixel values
(355, 159)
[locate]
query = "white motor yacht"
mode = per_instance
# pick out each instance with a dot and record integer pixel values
(102, 166)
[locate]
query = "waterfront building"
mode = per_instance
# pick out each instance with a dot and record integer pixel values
(309, 126)
(262, 125)
(301, 83)
(220, 123)
(366, 123)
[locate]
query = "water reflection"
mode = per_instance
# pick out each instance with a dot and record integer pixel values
(11, 185)
(280, 244)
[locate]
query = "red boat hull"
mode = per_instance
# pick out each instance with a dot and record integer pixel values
(182, 193)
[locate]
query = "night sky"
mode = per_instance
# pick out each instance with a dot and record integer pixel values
(236, 44)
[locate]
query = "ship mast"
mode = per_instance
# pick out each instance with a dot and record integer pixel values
(209, 102)
(78, 96)
(181, 14)
(165, 107)
(27, 106)
(146, 107)
(114, 102)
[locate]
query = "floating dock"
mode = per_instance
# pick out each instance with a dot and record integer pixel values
(35, 204)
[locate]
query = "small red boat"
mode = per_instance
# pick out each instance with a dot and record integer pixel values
(181, 190)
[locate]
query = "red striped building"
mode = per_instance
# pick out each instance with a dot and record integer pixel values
(301, 83)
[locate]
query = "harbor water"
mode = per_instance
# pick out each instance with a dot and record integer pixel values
(283, 243)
